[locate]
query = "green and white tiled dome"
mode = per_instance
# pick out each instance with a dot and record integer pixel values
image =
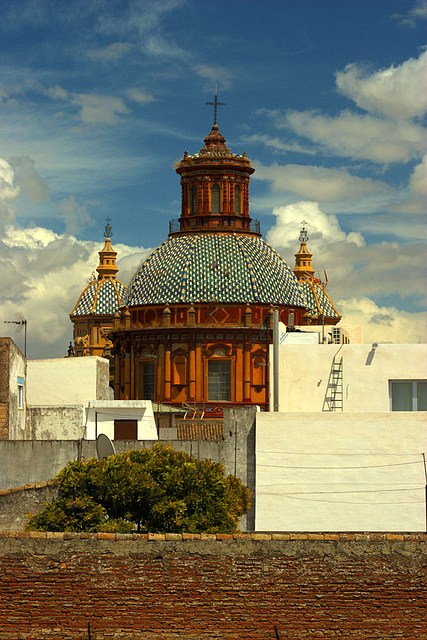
(214, 267)
(101, 297)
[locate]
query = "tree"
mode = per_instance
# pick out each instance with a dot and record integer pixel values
(157, 490)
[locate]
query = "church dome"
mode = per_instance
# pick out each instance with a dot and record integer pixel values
(103, 296)
(317, 301)
(214, 267)
(100, 298)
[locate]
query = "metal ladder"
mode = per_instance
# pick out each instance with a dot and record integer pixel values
(334, 394)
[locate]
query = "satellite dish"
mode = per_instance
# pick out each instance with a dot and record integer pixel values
(104, 447)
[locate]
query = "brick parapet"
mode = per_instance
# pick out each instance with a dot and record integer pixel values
(219, 537)
(203, 586)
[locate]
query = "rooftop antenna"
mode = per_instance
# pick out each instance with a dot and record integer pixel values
(215, 104)
(23, 323)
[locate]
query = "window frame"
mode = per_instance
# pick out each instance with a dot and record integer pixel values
(146, 368)
(21, 392)
(414, 393)
(216, 202)
(209, 380)
(237, 199)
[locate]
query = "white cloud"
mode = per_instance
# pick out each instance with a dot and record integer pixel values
(415, 197)
(142, 22)
(358, 136)
(9, 191)
(31, 184)
(324, 228)
(319, 183)
(99, 109)
(57, 93)
(43, 274)
(375, 271)
(76, 216)
(417, 12)
(94, 108)
(141, 96)
(397, 92)
(276, 144)
(214, 73)
(111, 52)
(382, 323)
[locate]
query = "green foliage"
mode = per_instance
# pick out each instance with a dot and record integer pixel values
(157, 490)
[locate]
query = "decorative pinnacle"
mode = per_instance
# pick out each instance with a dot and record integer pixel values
(108, 233)
(303, 236)
(215, 104)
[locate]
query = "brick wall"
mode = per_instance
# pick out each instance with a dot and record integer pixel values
(314, 586)
(4, 421)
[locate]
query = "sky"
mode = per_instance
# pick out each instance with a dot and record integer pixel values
(100, 98)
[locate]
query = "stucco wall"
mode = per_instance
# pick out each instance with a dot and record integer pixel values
(56, 423)
(12, 366)
(224, 587)
(304, 372)
(67, 381)
(340, 471)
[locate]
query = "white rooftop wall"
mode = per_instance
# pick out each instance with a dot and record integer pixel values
(67, 381)
(340, 472)
(100, 417)
(304, 374)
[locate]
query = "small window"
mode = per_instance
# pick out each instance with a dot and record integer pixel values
(146, 381)
(215, 203)
(237, 199)
(194, 197)
(408, 395)
(21, 398)
(219, 380)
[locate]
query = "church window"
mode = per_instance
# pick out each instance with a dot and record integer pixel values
(408, 395)
(194, 196)
(219, 380)
(237, 199)
(146, 381)
(215, 198)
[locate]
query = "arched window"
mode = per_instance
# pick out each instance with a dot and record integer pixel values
(215, 198)
(194, 199)
(237, 199)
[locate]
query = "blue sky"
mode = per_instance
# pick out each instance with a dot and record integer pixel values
(98, 99)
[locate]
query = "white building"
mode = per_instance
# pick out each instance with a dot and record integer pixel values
(65, 399)
(13, 387)
(121, 420)
(352, 377)
(347, 449)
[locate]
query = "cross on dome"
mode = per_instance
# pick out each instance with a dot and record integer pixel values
(108, 233)
(303, 236)
(215, 104)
